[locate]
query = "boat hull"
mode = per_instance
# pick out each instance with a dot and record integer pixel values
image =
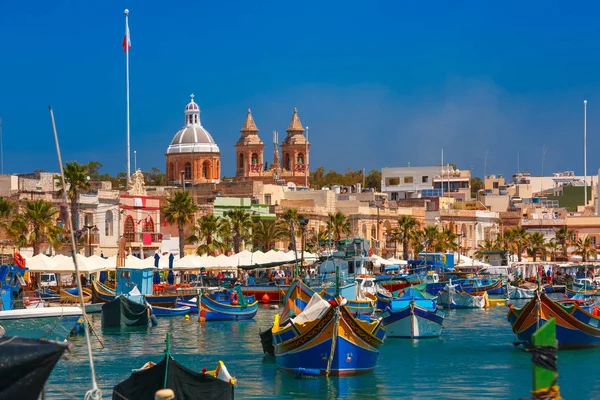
(212, 310)
(170, 311)
(575, 327)
(275, 293)
(519, 293)
(413, 322)
(457, 300)
(103, 294)
(355, 350)
(50, 323)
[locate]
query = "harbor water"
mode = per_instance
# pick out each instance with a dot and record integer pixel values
(474, 359)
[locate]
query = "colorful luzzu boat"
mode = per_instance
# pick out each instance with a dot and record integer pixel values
(103, 294)
(450, 297)
(324, 337)
(414, 314)
(576, 327)
(221, 306)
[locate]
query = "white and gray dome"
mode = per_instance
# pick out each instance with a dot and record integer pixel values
(192, 138)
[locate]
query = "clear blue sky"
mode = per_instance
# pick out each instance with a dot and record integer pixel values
(378, 83)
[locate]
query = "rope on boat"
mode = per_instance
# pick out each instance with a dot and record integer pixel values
(333, 340)
(550, 393)
(545, 357)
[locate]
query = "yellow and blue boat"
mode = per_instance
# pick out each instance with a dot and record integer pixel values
(222, 305)
(324, 337)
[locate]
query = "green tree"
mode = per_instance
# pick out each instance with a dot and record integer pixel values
(373, 180)
(483, 248)
(476, 185)
(208, 233)
(553, 247)
(447, 241)
(180, 210)
(317, 239)
(267, 233)
(432, 237)
(537, 245)
(6, 208)
(77, 181)
(407, 226)
(518, 238)
(395, 236)
(585, 248)
(93, 168)
(155, 177)
(291, 214)
(338, 225)
(564, 236)
(241, 226)
(38, 220)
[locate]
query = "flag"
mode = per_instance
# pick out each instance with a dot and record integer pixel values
(126, 39)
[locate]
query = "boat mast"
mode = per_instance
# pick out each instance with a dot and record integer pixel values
(296, 274)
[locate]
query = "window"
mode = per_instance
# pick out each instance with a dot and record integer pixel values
(149, 224)
(108, 223)
(495, 185)
(129, 228)
(425, 179)
(125, 274)
(300, 158)
(268, 199)
(188, 170)
(392, 181)
(206, 170)
(408, 179)
(594, 240)
(254, 158)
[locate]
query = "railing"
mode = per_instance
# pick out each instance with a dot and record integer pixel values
(139, 236)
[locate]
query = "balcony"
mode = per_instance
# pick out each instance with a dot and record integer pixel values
(138, 237)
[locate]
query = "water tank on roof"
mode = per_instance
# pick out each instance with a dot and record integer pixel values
(336, 189)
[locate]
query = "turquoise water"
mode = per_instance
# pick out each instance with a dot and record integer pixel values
(474, 359)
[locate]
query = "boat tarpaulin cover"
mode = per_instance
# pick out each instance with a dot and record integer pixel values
(187, 384)
(25, 365)
(122, 312)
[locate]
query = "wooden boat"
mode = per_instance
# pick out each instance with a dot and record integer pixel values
(514, 293)
(72, 295)
(122, 312)
(581, 292)
(274, 292)
(450, 297)
(326, 338)
(394, 284)
(219, 306)
(544, 357)
(474, 286)
(414, 314)
(575, 327)
(170, 311)
(185, 384)
(102, 294)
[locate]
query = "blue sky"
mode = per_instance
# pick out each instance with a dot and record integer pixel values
(380, 84)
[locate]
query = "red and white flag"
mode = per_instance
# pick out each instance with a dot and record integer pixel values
(127, 38)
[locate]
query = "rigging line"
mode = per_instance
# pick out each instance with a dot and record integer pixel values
(95, 393)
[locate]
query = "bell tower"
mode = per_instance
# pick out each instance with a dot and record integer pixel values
(295, 149)
(249, 151)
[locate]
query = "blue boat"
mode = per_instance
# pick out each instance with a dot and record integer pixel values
(475, 286)
(326, 338)
(170, 311)
(221, 306)
(414, 314)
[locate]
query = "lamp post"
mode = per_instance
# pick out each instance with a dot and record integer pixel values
(90, 229)
(460, 239)
(182, 179)
(303, 222)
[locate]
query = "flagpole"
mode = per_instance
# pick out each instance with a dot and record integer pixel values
(127, 83)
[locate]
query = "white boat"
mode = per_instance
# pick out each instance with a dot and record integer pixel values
(450, 298)
(519, 293)
(50, 323)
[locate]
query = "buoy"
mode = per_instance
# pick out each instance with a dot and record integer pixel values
(187, 317)
(265, 298)
(164, 394)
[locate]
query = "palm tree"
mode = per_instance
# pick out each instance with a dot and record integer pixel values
(267, 233)
(407, 226)
(417, 239)
(6, 208)
(518, 238)
(39, 221)
(338, 225)
(483, 248)
(77, 180)
(315, 240)
(431, 236)
(241, 226)
(537, 245)
(180, 210)
(564, 236)
(208, 232)
(553, 246)
(16, 230)
(447, 241)
(503, 240)
(395, 236)
(585, 248)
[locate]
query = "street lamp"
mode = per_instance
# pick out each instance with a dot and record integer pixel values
(90, 229)
(182, 179)
(303, 222)
(460, 239)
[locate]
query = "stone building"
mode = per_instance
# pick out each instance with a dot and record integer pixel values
(193, 156)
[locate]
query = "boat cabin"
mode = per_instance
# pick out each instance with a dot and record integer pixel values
(358, 265)
(439, 262)
(11, 287)
(432, 277)
(130, 277)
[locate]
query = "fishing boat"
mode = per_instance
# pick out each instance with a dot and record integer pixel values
(474, 286)
(581, 292)
(170, 311)
(25, 365)
(450, 297)
(513, 292)
(228, 305)
(128, 277)
(72, 295)
(392, 283)
(183, 383)
(52, 323)
(327, 339)
(360, 296)
(575, 326)
(121, 312)
(414, 314)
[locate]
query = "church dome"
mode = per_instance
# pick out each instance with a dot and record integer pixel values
(192, 138)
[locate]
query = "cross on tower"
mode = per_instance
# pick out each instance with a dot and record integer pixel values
(192, 97)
